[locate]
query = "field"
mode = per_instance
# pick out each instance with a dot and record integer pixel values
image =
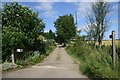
(108, 42)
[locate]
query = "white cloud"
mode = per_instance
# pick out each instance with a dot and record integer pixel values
(79, 0)
(46, 0)
(47, 7)
(88, 0)
(115, 9)
(83, 8)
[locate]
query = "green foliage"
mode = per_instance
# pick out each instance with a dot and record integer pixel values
(65, 28)
(11, 38)
(94, 62)
(20, 27)
(35, 58)
(49, 35)
(118, 52)
(40, 44)
(31, 60)
(8, 66)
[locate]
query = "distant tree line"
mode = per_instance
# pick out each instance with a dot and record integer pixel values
(49, 35)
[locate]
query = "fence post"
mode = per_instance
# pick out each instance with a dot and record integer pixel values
(13, 60)
(113, 48)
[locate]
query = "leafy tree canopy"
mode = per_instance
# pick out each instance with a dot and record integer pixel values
(65, 28)
(20, 27)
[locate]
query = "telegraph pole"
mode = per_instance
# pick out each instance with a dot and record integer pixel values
(76, 17)
(76, 22)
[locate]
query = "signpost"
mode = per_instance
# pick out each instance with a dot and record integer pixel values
(113, 47)
(13, 59)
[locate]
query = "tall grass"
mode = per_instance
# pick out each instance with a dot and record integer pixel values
(94, 62)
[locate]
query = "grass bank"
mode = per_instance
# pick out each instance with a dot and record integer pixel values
(94, 62)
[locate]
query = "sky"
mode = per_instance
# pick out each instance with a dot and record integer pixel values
(50, 11)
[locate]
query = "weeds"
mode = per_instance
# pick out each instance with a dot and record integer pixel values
(34, 58)
(94, 62)
(37, 57)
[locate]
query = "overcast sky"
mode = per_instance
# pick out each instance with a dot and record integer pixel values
(49, 12)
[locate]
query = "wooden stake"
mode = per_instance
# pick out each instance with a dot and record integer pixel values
(13, 61)
(114, 50)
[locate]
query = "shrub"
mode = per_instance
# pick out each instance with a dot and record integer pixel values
(32, 59)
(7, 66)
(36, 57)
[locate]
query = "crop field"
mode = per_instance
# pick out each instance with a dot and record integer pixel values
(109, 42)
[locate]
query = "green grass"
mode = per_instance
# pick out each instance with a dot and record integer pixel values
(96, 63)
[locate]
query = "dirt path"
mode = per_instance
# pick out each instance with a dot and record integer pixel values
(57, 65)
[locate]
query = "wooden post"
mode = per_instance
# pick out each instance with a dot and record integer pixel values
(13, 60)
(113, 48)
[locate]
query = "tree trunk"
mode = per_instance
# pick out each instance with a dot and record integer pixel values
(100, 43)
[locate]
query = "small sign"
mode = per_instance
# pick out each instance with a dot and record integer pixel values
(19, 50)
(110, 36)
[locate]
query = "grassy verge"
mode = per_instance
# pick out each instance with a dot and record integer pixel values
(29, 61)
(95, 63)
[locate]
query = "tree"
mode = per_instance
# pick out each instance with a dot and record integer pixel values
(52, 35)
(99, 20)
(20, 27)
(65, 28)
(90, 29)
(49, 35)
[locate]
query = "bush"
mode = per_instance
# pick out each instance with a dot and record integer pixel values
(7, 66)
(35, 58)
(32, 59)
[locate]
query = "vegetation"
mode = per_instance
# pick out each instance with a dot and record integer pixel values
(65, 28)
(0, 35)
(33, 59)
(94, 62)
(20, 27)
(49, 35)
(8, 66)
(23, 28)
